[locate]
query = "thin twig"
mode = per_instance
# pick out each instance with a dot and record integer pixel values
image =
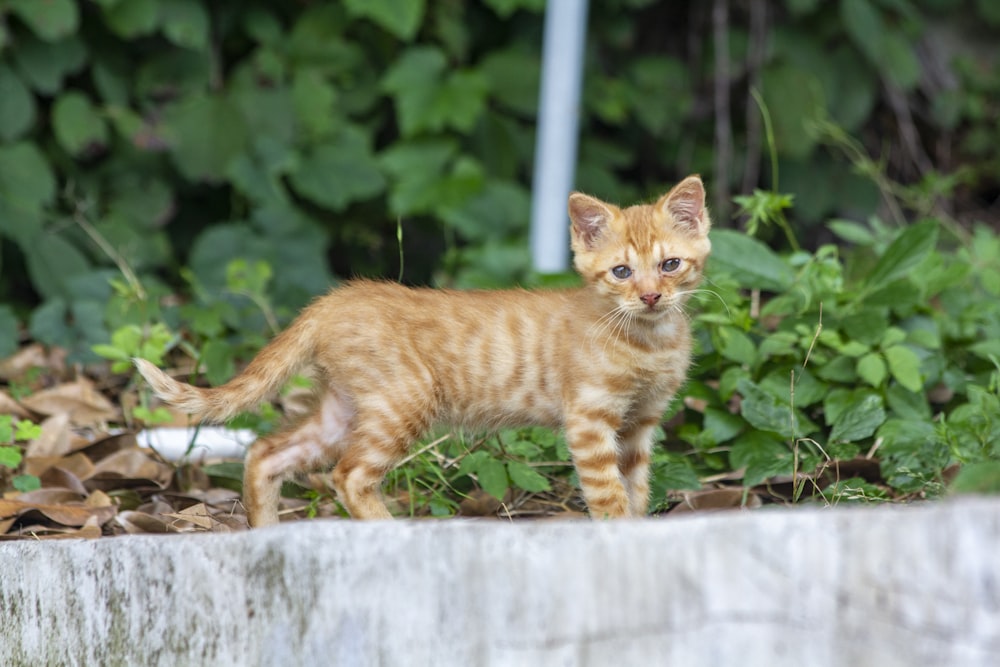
(819, 329)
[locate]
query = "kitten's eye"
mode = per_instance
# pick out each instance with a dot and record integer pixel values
(670, 265)
(621, 272)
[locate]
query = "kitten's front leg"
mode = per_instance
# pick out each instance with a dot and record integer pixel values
(592, 437)
(636, 444)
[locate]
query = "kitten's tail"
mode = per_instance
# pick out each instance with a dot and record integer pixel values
(270, 369)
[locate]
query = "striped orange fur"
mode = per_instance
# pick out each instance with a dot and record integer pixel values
(601, 361)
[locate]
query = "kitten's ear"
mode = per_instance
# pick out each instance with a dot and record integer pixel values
(685, 203)
(589, 217)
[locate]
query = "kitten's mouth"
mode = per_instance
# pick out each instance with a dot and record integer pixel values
(651, 310)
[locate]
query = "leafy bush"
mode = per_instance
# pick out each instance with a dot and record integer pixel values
(887, 352)
(172, 137)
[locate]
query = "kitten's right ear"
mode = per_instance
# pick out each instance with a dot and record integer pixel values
(589, 216)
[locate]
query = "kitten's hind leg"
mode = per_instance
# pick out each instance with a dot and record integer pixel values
(315, 442)
(376, 445)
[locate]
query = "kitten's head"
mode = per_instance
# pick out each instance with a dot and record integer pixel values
(647, 258)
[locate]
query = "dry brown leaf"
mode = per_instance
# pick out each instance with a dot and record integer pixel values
(140, 522)
(8, 406)
(98, 499)
(60, 478)
(90, 530)
(196, 514)
(108, 445)
(716, 499)
(14, 367)
(66, 514)
(80, 399)
(75, 464)
(48, 496)
(129, 468)
(54, 440)
(478, 503)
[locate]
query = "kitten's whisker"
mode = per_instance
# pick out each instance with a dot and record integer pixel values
(700, 292)
(601, 325)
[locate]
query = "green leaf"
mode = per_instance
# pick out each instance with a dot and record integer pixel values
(766, 412)
(17, 105)
(514, 76)
(6, 429)
(865, 27)
(872, 369)
(231, 470)
(904, 365)
(77, 125)
(422, 181)
(907, 404)
(44, 65)
(262, 26)
(899, 60)
(401, 18)
(762, 456)
(661, 94)
(26, 430)
(903, 254)
(807, 391)
(852, 232)
(984, 349)
(491, 473)
(51, 20)
(749, 261)
(339, 172)
(527, 478)
(314, 97)
(673, 475)
(219, 360)
(737, 346)
(979, 478)
(429, 100)
(801, 7)
(791, 114)
(205, 132)
(501, 209)
(53, 264)
(858, 417)
(185, 23)
(721, 426)
(8, 331)
(26, 483)
(132, 18)
(504, 8)
(10, 457)
(110, 352)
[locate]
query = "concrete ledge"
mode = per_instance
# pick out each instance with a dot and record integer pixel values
(905, 586)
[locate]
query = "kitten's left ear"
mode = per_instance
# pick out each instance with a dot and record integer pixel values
(685, 203)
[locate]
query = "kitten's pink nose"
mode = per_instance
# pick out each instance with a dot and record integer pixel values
(650, 299)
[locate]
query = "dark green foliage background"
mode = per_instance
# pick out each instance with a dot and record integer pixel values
(188, 133)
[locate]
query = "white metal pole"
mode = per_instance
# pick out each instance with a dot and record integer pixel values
(558, 129)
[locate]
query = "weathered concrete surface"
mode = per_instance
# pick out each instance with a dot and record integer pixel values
(903, 586)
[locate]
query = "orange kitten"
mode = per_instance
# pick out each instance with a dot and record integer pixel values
(601, 361)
